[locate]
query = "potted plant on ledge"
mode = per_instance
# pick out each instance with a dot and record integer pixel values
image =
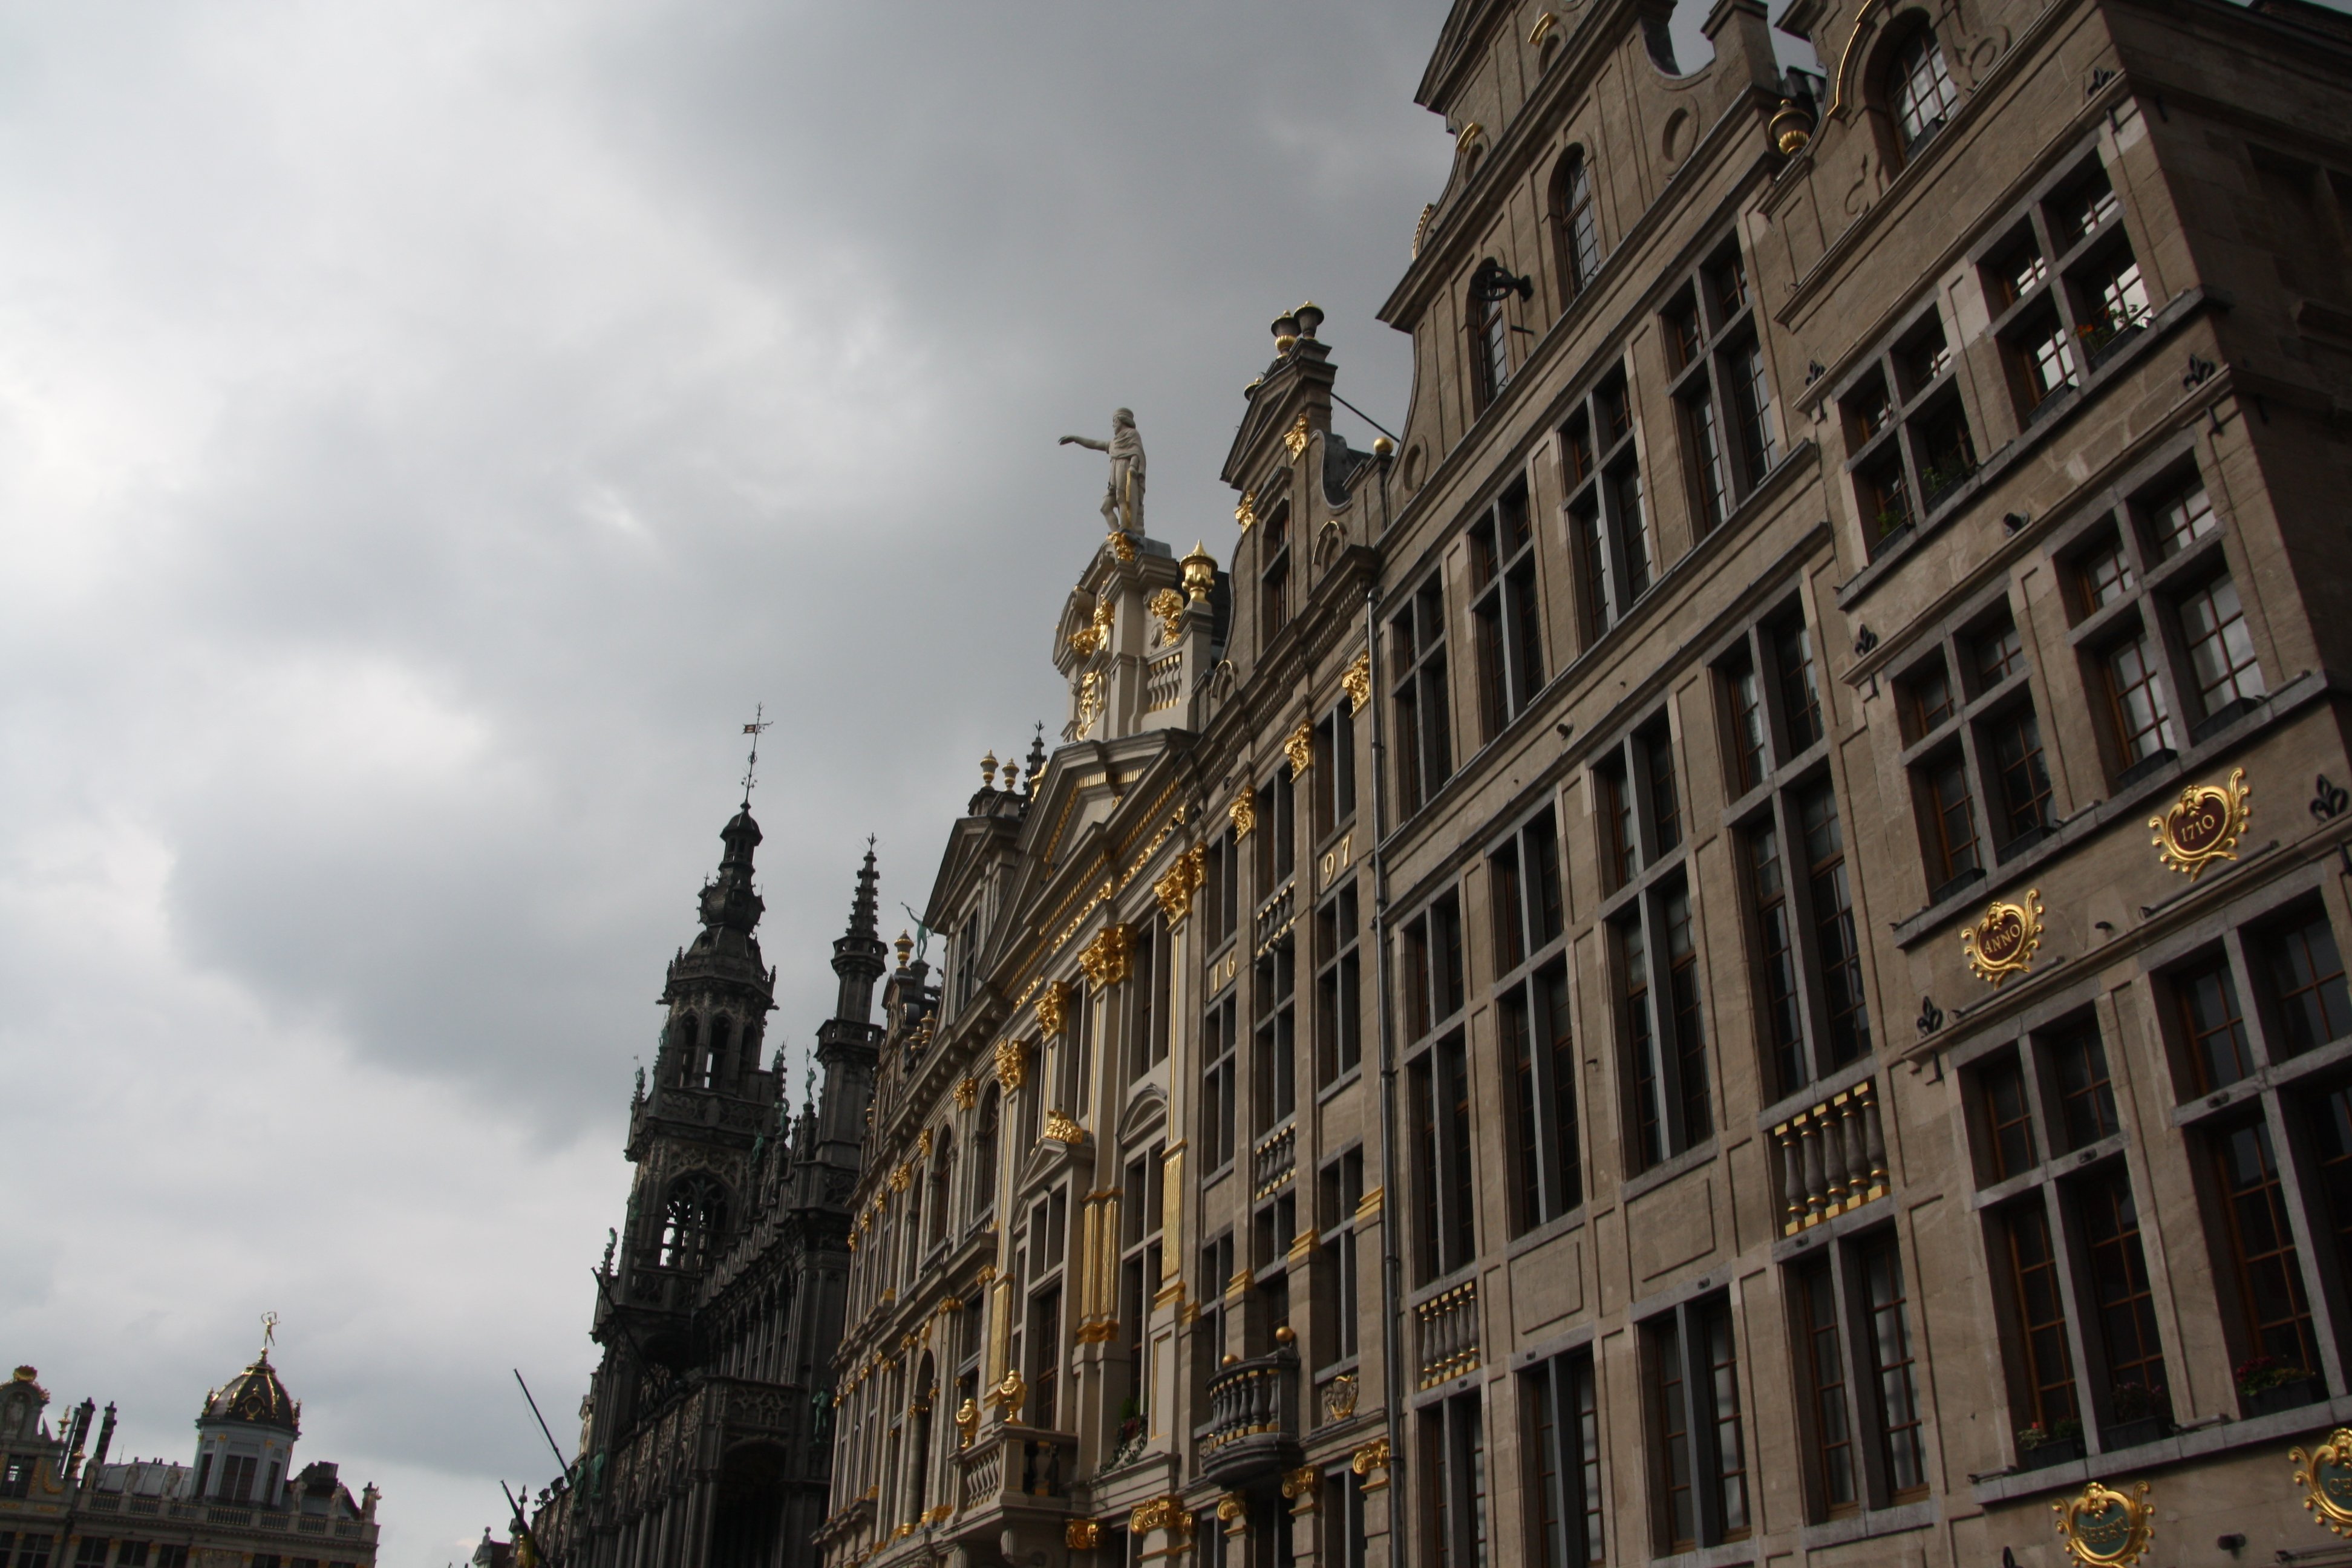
(2041, 1445)
(2266, 1384)
(2138, 1415)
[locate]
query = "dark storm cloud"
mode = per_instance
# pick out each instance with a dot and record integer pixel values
(425, 433)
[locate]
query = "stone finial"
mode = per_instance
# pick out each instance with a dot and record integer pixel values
(906, 946)
(1199, 574)
(988, 770)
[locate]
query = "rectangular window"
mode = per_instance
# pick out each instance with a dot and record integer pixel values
(89, 1552)
(2040, 1312)
(1830, 1433)
(2024, 777)
(133, 1554)
(2331, 1150)
(2306, 981)
(1698, 1449)
(237, 1478)
(1424, 725)
(1745, 695)
(2136, 699)
(1560, 1443)
(2214, 1028)
(2009, 1119)
(1896, 1407)
(1505, 611)
(1273, 574)
(1343, 1523)
(1220, 1085)
(1800, 694)
(1438, 1087)
(1338, 994)
(2220, 648)
(2267, 1273)
(1453, 1482)
(1837, 947)
(1335, 770)
(1339, 1190)
(2118, 1270)
(2087, 1100)
(1720, 386)
(1276, 1047)
(1603, 483)
(1784, 1028)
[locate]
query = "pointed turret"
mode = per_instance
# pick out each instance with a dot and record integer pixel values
(847, 1042)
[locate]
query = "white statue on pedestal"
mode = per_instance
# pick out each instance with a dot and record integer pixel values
(1122, 506)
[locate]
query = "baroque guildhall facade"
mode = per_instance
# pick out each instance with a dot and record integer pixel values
(1730, 951)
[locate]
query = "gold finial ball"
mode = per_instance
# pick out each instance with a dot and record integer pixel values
(1285, 1334)
(1012, 775)
(1384, 448)
(988, 768)
(1231, 1360)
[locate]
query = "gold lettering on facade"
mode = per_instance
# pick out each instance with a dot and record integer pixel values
(2002, 943)
(2204, 825)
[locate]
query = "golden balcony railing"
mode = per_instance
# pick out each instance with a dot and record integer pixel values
(1832, 1157)
(1449, 1335)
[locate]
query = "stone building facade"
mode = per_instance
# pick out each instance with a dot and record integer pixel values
(704, 1438)
(1732, 953)
(240, 1504)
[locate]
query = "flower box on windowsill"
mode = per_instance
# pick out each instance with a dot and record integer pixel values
(2132, 1433)
(2057, 1451)
(2280, 1396)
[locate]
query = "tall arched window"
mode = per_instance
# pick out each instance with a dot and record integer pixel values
(925, 1393)
(713, 1065)
(1575, 223)
(1920, 92)
(914, 1229)
(685, 1047)
(983, 1154)
(692, 1221)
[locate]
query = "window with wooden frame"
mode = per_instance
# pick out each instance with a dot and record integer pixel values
(1813, 1017)
(2158, 631)
(2064, 287)
(1980, 782)
(1534, 1022)
(1425, 727)
(1220, 900)
(1858, 1410)
(1146, 999)
(2078, 1324)
(1338, 986)
(1274, 1053)
(1721, 395)
(1505, 612)
(1333, 785)
(1699, 1451)
(1339, 1192)
(1437, 1091)
(1559, 1449)
(1452, 1482)
(1220, 1083)
(1142, 1204)
(1908, 445)
(1273, 574)
(1662, 1029)
(1601, 477)
(1276, 831)
(1916, 90)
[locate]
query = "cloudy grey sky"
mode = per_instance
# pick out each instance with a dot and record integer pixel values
(426, 431)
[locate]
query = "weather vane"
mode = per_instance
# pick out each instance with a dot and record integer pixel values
(268, 1331)
(752, 765)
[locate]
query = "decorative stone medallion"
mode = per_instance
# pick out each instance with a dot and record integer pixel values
(2002, 940)
(2102, 1528)
(2204, 825)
